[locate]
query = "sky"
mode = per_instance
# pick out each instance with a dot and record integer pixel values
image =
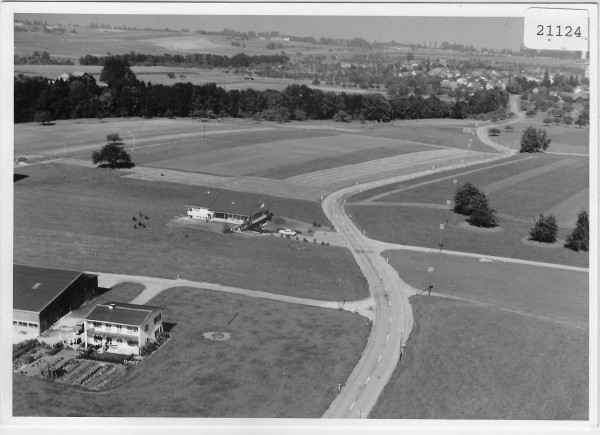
(494, 33)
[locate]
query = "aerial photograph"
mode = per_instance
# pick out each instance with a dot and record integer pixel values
(299, 217)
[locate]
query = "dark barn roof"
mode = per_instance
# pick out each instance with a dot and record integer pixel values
(123, 314)
(35, 287)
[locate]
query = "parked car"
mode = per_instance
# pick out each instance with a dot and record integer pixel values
(287, 232)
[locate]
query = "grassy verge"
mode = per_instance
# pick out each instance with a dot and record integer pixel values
(468, 362)
(282, 360)
(87, 216)
(420, 227)
(561, 294)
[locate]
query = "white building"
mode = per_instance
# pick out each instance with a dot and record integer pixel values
(122, 328)
(238, 212)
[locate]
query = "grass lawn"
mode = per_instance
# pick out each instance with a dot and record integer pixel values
(554, 179)
(565, 139)
(448, 136)
(420, 227)
(81, 218)
(228, 144)
(464, 361)
(282, 360)
(560, 294)
(433, 190)
(123, 292)
(285, 171)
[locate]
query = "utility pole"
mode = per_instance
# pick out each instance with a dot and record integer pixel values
(441, 229)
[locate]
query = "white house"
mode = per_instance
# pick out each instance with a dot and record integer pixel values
(244, 212)
(122, 328)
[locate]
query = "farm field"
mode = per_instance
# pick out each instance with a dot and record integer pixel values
(565, 139)
(159, 75)
(550, 180)
(465, 361)
(282, 360)
(268, 155)
(558, 294)
(454, 136)
(87, 217)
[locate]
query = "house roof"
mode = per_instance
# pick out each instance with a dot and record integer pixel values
(35, 287)
(120, 313)
(223, 202)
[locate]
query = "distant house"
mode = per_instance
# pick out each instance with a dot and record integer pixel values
(244, 213)
(122, 328)
(80, 75)
(447, 84)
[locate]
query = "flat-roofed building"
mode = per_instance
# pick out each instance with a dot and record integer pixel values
(245, 213)
(41, 296)
(122, 328)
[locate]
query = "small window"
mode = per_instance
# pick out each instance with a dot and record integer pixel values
(15, 322)
(146, 327)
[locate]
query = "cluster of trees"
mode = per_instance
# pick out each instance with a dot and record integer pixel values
(472, 202)
(534, 140)
(127, 96)
(42, 58)
(207, 60)
(545, 230)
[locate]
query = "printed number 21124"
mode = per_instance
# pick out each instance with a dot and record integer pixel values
(558, 31)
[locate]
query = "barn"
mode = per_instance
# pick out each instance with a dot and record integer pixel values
(41, 296)
(242, 212)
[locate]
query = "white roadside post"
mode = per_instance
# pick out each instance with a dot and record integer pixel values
(133, 140)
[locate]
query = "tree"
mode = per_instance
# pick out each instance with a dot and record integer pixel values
(567, 119)
(544, 230)
(113, 156)
(579, 239)
(548, 120)
(546, 80)
(113, 137)
(533, 141)
(463, 196)
(116, 72)
(481, 215)
(582, 119)
(42, 117)
(494, 131)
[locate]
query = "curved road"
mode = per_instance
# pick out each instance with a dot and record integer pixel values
(393, 315)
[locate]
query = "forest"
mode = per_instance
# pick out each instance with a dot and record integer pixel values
(39, 98)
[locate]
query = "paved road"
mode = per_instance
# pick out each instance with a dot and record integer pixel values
(393, 315)
(154, 286)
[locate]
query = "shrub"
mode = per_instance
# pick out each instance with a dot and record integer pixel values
(509, 128)
(494, 131)
(579, 238)
(544, 230)
(227, 229)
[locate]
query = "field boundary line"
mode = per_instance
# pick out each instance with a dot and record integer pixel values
(447, 177)
(513, 310)
(385, 246)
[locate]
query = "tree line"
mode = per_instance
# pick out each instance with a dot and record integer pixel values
(127, 96)
(239, 60)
